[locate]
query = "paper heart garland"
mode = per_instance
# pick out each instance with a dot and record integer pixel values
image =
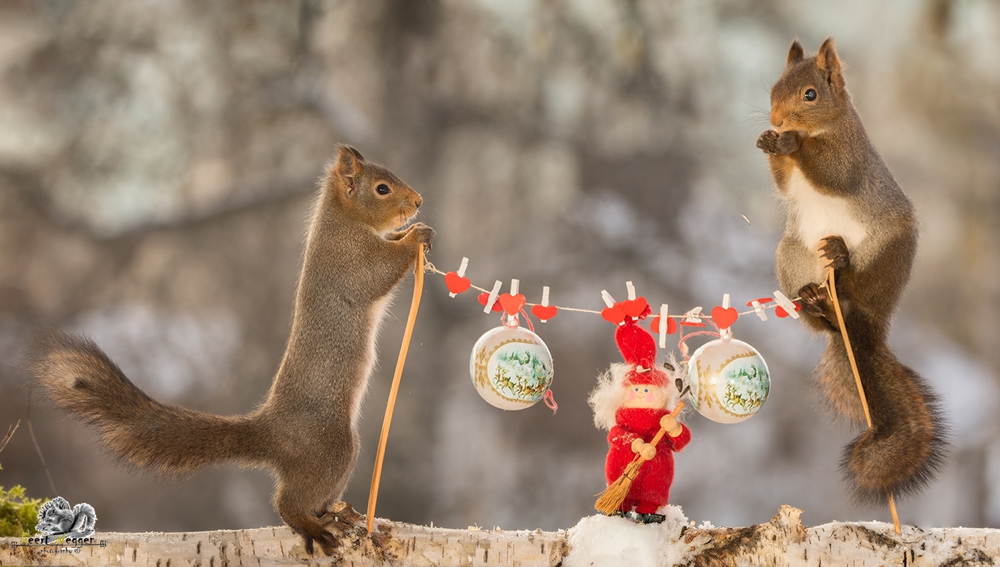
(485, 297)
(724, 318)
(511, 304)
(637, 307)
(544, 312)
(614, 314)
(654, 325)
(456, 283)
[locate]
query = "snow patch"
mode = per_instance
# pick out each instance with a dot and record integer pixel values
(599, 540)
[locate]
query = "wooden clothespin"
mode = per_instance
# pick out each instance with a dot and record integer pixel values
(664, 323)
(787, 304)
(758, 307)
(493, 296)
(608, 300)
(544, 311)
(693, 317)
(460, 282)
(727, 333)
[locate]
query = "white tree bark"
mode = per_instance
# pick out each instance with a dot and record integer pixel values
(595, 541)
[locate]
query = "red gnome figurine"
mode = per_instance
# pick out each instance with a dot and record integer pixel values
(631, 401)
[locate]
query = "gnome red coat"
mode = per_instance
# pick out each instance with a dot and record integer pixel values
(650, 490)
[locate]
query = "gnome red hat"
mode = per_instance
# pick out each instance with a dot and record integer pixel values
(639, 350)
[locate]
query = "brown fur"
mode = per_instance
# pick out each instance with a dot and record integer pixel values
(305, 431)
(824, 141)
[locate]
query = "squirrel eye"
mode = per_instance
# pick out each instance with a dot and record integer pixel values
(382, 189)
(810, 95)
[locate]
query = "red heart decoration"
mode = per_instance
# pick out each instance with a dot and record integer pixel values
(635, 307)
(544, 312)
(484, 297)
(724, 318)
(614, 314)
(511, 304)
(781, 313)
(654, 325)
(456, 283)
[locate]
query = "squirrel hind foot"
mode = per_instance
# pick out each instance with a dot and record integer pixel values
(328, 528)
(835, 250)
(342, 517)
(312, 531)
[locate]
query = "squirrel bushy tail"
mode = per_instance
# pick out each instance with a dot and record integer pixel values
(79, 377)
(906, 443)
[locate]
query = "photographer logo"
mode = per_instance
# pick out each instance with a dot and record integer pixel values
(57, 519)
(66, 527)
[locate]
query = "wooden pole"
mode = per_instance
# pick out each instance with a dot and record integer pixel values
(832, 285)
(418, 288)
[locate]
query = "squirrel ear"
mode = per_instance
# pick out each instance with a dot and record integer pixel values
(796, 53)
(348, 165)
(828, 61)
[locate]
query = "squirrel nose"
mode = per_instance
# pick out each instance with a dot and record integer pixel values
(418, 202)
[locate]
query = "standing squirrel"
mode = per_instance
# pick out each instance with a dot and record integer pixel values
(305, 432)
(844, 210)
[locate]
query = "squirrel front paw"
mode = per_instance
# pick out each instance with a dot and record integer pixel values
(835, 250)
(767, 141)
(779, 144)
(421, 233)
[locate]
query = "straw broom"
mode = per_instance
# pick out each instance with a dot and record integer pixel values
(611, 499)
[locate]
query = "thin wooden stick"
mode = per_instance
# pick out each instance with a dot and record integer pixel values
(418, 287)
(10, 433)
(832, 285)
(31, 433)
(895, 516)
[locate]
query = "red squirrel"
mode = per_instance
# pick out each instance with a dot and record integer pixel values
(305, 431)
(845, 210)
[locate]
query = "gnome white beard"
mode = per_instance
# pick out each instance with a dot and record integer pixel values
(609, 395)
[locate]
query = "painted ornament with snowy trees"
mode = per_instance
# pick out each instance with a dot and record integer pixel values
(729, 380)
(511, 366)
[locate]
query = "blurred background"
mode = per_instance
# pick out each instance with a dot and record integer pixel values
(157, 162)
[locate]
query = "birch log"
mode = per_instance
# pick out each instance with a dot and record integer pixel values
(595, 541)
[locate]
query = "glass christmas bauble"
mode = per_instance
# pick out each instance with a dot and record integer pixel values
(511, 367)
(729, 380)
